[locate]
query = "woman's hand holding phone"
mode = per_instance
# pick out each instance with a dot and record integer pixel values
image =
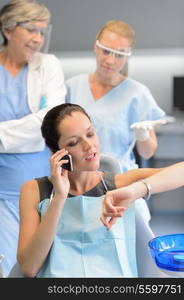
(59, 176)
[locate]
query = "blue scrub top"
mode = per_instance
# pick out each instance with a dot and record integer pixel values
(17, 168)
(113, 114)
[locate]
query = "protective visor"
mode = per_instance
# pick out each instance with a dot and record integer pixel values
(44, 32)
(110, 51)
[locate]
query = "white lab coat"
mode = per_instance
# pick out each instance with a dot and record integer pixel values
(45, 78)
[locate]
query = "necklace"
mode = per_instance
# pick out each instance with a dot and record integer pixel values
(102, 180)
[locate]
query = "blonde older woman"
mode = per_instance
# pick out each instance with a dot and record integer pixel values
(31, 83)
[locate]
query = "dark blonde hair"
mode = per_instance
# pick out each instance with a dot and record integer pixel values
(119, 27)
(17, 11)
(52, 119)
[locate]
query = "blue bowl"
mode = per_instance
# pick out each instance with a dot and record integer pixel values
(168, 251)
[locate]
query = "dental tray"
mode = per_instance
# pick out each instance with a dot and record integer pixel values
(168, 252)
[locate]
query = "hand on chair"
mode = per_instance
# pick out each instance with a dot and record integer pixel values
(141, 129)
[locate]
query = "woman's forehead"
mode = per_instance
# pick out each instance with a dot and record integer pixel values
(74, 124)
(114, 40)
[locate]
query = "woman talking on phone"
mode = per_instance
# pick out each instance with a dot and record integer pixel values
(61, 234)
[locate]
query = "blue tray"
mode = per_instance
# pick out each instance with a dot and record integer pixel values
(168, 251)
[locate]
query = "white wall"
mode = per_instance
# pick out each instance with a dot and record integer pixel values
(155, 68)
(157, 24)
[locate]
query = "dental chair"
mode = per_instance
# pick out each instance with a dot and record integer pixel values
(145, 264)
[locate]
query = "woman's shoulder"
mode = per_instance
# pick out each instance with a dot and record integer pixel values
(30, 184)
(40, 186)
(30, 190)
(132, 83)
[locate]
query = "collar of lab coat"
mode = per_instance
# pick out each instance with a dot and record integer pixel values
(35, 61)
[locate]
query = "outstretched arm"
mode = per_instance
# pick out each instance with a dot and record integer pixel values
(116, 201)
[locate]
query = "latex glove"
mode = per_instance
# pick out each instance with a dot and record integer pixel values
(141, 129)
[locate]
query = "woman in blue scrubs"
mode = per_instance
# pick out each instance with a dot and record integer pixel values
(31, 83)
(114, 100)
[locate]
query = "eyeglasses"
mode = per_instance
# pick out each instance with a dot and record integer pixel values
(110, 51)
(32, 29)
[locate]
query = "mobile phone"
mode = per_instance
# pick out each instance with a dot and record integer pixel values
(68, 166)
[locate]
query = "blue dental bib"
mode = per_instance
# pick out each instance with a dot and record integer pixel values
(83, 247)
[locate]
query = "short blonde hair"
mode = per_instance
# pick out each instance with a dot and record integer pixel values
(119, 27)
(17, 11)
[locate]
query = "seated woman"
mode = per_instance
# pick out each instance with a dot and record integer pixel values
(61, 234)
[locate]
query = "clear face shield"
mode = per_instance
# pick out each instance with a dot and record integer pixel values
(39, 36)
(116, 53)
(115, 59)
